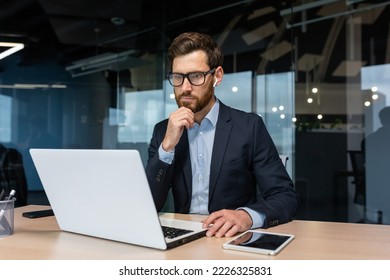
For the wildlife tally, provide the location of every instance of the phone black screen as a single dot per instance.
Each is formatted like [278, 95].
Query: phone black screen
[260, 240]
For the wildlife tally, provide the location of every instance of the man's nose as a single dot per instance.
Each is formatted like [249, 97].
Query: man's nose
[186, 85]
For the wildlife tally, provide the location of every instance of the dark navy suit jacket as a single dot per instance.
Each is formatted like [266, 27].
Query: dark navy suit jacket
[244, 157]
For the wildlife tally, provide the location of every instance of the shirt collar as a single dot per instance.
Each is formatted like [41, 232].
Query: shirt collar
[212, 116]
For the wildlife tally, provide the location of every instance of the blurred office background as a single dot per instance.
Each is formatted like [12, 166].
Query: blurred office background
[91, 74]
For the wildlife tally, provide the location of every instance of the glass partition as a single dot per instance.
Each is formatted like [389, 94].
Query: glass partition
[375, 85]
[236, 90]
[275, 103]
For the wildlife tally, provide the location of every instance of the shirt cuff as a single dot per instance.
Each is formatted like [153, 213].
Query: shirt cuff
[164, 156]
[257, 218]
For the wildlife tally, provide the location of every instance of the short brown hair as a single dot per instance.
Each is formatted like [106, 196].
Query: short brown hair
[188, 42]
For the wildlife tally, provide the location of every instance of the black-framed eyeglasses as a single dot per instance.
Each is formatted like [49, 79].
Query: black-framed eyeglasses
[195, 78]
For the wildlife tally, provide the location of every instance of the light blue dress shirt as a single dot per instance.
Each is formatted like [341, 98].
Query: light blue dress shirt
[201, 140]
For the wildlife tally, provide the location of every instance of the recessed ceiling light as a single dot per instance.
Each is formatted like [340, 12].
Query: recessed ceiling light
[118, 20]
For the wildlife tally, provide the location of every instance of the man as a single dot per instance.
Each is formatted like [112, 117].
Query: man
[212, 156]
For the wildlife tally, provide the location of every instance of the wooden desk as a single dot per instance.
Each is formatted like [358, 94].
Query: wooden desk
[41, 239]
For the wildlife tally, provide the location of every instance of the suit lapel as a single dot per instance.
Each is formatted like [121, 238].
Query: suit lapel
[222, 133]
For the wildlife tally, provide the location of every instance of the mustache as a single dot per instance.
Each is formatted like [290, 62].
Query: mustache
[185, 94]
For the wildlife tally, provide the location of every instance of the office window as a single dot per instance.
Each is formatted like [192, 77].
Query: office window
[142, 110]
[5, 118]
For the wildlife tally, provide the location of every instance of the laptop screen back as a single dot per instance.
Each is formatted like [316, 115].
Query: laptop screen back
[102, 193]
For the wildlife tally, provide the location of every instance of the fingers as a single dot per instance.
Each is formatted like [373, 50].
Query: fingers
[178, 120]
[182, 115]
[227, 223]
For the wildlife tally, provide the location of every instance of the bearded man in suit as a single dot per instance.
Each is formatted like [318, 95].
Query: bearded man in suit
[215, 158]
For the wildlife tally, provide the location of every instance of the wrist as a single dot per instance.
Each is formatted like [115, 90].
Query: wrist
[167, 148]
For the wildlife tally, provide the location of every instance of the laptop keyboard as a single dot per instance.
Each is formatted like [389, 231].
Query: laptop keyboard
[171, 232]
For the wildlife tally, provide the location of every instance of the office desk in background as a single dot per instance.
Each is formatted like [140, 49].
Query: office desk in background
[41, 239]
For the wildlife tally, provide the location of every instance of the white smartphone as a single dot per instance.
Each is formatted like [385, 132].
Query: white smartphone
[261, 242]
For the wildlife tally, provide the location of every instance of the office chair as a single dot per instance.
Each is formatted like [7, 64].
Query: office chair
[359, 174]
[12, 175]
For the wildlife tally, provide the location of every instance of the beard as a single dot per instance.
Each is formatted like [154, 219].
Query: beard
[198, 103]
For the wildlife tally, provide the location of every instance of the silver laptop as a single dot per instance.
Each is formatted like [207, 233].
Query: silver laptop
[105, 193]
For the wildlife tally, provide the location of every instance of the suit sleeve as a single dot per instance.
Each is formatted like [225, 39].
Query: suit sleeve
[279, 201]
[159, 173]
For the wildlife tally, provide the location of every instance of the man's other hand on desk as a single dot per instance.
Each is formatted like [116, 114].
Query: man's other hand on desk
[227, 223]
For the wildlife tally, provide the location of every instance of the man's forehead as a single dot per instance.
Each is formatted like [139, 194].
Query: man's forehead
[194, 61]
